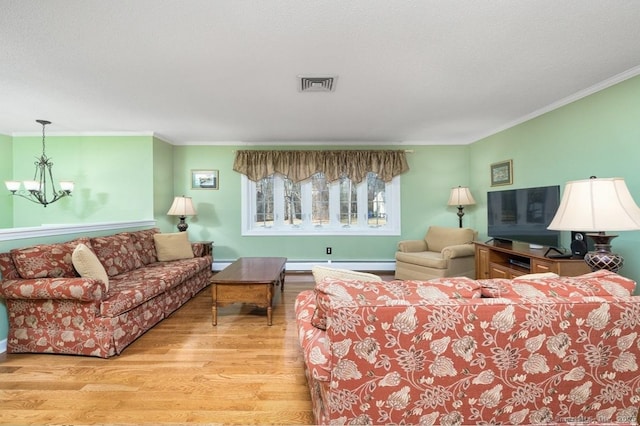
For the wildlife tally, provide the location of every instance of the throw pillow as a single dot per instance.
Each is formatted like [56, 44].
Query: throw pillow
[174, 246]
[88, 266]
[322, 272]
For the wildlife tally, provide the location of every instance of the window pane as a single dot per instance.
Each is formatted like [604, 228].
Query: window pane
[264, 202]
[376, 200]
[348, 202]
[319, 200]
[292, 203]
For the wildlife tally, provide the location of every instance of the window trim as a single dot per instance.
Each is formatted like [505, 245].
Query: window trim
[393, 227]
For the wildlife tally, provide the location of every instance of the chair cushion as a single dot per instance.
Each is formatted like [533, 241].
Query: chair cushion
[430, 259]
[439, 237]
[335, 293]
[600, 283]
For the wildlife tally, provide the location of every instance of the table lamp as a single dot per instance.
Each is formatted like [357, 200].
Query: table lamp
[597, 205]
[461, 196]
[182, 207]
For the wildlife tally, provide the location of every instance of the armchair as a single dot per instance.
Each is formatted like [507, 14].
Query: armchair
[444, 252]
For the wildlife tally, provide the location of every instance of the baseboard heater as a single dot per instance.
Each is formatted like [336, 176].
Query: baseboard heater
[306, 265]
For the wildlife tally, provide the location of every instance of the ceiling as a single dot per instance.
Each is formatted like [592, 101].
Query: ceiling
[225, 71]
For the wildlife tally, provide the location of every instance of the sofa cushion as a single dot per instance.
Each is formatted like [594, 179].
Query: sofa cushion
[439, 237]
[46, 260]
[145, 245]
[600, 283]
[333, 292]
[117, 253]
[88, 266]
[174, 246]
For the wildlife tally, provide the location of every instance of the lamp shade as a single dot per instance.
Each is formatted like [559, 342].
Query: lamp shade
[596, 205]
[182, 206]
[461, 196]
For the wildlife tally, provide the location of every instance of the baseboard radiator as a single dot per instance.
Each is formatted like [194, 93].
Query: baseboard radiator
[306, 265]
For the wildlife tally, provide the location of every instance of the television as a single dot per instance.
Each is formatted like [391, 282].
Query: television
[523, 215]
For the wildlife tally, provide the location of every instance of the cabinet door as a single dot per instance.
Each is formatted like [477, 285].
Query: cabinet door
[499, 272]
[482, 263]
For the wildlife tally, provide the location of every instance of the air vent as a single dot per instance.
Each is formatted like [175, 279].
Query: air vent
[316, 84]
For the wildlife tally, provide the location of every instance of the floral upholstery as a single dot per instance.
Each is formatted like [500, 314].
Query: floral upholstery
[117, 253]
[47, 260]
[74, 315]
[143, 242]
[472, 360]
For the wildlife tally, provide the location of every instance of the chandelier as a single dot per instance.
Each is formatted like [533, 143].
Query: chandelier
[37, 190]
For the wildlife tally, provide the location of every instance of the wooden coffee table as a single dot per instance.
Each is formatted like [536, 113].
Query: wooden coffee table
[248, 280]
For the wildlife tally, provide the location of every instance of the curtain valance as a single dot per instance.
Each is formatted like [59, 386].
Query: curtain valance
[301, 165]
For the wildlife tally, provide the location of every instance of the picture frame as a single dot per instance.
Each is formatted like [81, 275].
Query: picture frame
[205, 179]
[502, 173]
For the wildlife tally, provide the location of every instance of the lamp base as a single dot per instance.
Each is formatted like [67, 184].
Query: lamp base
[601, 257]
[460, 214]
[182, 225]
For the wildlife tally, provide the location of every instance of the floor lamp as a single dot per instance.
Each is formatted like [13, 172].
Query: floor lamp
[461, 196]
[595, 206]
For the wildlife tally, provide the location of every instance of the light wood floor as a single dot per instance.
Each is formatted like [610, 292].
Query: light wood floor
[183, 371]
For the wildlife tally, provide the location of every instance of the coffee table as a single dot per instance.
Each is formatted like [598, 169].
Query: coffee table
[248, 280]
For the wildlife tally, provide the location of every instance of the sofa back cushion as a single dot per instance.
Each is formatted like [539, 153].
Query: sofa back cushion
[145, 246]
[117, 253]
[46, 260]
[600, 283]
[341, 292]
[439, 237]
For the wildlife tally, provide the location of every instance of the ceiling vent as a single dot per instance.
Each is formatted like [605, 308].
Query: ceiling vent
[316, 83]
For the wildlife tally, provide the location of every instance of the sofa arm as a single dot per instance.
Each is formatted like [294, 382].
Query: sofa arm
[460, 250]
[409, 246]
[84, 289]
[201, 248]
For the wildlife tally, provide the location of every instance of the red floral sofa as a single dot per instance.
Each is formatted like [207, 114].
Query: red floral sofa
[458, 351]
[54, 310]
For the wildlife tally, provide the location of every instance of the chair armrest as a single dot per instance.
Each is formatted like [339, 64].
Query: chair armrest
[85, 289]
[460, 250]
[409, 246]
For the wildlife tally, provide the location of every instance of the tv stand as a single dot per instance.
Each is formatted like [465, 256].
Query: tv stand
[497, 259]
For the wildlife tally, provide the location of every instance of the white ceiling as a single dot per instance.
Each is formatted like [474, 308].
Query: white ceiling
[205, 71]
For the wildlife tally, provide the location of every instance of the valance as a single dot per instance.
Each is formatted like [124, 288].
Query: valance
[301, 165]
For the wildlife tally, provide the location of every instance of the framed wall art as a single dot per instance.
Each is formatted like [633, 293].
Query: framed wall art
[205, 179]
[502, 173]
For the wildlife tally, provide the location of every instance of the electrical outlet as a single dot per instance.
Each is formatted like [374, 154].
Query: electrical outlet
[328, 250]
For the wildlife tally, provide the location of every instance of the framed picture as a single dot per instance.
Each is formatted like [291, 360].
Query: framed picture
[204, 179]
[502, 173]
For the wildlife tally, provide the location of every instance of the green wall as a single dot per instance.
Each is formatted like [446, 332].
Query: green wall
[112, 178]
[598, 135]
[6, 172]
[434, 170]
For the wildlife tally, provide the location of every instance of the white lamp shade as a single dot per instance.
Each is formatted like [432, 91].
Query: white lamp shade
[182, 206]
[461, 196]
[12, 185]
[596, 205]
[66, 185]
[31, 185]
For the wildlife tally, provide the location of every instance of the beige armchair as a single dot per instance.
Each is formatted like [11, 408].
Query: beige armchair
[444, 252]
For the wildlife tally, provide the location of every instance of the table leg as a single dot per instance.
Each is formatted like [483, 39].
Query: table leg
[214, 304]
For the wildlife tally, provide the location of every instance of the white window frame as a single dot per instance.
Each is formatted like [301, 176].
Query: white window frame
[334, 227]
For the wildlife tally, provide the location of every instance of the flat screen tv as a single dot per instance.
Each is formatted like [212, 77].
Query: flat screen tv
[523, 215]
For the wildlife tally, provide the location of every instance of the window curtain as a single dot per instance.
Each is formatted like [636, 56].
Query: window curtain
[301, 165]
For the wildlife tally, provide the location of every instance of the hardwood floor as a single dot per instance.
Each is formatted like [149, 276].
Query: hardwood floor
[183, 371]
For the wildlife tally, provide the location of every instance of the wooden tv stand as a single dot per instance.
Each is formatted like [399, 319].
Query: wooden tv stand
[509, 260]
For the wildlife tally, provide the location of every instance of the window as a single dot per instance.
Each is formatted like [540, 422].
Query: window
[277, 206]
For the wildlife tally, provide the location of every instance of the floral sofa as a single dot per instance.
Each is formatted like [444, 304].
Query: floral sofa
[454, 351]
[143, 276]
